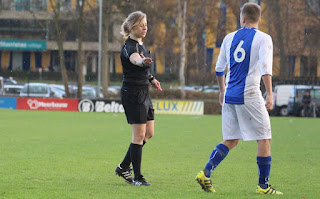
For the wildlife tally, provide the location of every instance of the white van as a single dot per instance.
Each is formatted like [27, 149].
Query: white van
[1, 85]
[281, 96]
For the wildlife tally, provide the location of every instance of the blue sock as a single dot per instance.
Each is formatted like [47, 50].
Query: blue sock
[264, 166]
[217, 155]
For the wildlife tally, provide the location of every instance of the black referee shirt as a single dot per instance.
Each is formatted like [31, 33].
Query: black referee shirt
[134, 76]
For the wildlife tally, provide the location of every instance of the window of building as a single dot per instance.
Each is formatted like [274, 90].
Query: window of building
[22, 5]
[91, 32]
[312, 8]
[80, 2]
[7, 4]
[38, 5]
[23, 29]
[309, 66]
[34, 5]
[110, 32]
[256, 1]
[291, 65]
[311, 35]
[65, 5]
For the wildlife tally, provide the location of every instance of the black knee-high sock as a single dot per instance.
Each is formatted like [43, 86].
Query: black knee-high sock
[136, 156]
[127, 159]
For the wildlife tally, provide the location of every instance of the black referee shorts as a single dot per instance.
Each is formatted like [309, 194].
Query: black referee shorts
[137, 105]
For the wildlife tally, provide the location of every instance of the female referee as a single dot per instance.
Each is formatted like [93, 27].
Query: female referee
[136, 61]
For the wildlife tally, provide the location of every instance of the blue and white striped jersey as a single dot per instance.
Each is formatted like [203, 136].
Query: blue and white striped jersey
[248, 54]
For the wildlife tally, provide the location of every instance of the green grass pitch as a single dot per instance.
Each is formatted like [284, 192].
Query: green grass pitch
[73, 155]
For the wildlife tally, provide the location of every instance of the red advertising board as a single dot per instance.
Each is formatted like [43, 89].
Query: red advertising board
[47, 104]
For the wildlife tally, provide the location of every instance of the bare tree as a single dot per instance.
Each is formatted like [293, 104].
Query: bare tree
[276, 17]
[80, 57]
[312, 38]
[105, 70]
[182, 37]
[200, 35]
[56, 5]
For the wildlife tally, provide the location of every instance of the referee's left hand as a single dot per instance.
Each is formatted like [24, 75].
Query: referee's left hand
[155, 83]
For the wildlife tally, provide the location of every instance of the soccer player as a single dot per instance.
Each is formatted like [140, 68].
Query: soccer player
[247, 53]
[136, 61]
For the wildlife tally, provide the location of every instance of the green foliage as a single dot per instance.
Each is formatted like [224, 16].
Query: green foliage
[73, 155]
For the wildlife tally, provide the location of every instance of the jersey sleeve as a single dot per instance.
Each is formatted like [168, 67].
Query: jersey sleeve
[222, 59]
[266, 56]
[129, 49]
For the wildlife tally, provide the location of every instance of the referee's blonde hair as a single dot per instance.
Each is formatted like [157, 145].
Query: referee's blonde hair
[251, 11]
[131, 21]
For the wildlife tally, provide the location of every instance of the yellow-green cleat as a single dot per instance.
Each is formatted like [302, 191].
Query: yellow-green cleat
[205, 182]
[268, 190]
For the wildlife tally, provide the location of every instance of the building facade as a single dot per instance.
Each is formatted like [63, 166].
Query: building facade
[27, 36]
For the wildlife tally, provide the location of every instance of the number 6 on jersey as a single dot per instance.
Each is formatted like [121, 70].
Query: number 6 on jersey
[239, 50]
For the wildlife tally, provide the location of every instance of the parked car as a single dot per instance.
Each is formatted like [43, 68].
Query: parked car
[89, 92]
[12, 90]
[39, 90]
[281, 95]
[58, 92]
[61, 89]
[6, 81]
[296, 107]
[186, 88]
[9, 81]
[1, 85]
[211, 89]
[114, 90]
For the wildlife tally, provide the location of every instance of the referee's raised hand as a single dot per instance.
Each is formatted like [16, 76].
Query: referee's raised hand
[146, 61]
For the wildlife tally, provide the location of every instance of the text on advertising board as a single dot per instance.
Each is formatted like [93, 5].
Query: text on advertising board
[178, 107]
[47, 104]
[108, 106]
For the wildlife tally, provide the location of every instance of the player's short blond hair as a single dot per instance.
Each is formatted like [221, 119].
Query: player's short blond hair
[131, 21]
[251, 11]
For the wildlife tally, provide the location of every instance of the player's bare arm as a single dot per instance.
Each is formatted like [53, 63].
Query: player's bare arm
[267, 80]
[221, 88]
